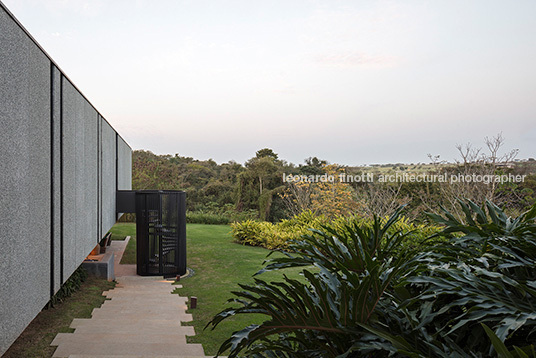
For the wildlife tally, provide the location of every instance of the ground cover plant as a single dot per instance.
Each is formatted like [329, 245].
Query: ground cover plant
[69, 287]
[36, 338]
[473, 295]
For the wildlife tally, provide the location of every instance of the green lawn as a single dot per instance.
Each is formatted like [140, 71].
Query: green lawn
[119, 232]
[219, 265]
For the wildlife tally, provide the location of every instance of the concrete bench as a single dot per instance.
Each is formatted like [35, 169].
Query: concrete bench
[101, 266]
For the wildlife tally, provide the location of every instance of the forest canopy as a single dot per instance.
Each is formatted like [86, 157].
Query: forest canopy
[261, 188]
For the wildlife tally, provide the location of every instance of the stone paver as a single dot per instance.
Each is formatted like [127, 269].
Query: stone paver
[141, 318]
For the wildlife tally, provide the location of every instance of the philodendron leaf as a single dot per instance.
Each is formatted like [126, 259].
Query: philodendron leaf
[500, 347]
[398, 342]
[237, 340]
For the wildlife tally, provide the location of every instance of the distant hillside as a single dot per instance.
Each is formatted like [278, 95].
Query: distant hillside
[257, 188]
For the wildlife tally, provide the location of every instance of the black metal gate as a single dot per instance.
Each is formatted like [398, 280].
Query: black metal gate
[161, 233]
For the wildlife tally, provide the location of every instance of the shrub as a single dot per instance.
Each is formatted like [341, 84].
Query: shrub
[279, 235]
[304, 221]
[481, 284]
[246, 232]
[275, 236]
[262, 233]
[200, 217]
[215, 215]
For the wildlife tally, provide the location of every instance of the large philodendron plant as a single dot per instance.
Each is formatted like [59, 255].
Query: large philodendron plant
[348, 273]
[476, 295]
[472, 294]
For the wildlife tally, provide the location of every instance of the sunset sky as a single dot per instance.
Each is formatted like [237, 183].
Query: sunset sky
[351, 82]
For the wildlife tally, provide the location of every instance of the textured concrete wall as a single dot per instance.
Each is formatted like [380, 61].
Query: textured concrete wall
[58, 174]
[80, 186]
[25, 180]
[56, 179]
[108, 181]
[124, 165]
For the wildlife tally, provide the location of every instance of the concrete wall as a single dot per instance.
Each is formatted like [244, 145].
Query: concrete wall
[56, 180]
[80, 185]
[124, 165]
[25, 179]
[60, 166]
[109, 176]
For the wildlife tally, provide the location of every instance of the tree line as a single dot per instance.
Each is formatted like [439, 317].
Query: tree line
[257, 187]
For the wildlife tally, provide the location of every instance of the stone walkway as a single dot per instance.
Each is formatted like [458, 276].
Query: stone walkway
[141, 319]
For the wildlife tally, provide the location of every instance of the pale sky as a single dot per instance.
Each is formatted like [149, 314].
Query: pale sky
[351, 82]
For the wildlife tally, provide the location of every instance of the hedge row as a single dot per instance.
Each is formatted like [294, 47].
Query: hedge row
[278, 236]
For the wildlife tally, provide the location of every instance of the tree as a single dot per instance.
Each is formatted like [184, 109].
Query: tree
[382, 198]
[473, 163]
[313, 166]
[205, 182]
[259, 182]
[263, 169]
[266, 153]
[331, 197]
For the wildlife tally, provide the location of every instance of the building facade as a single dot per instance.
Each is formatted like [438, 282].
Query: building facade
[60, 167]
